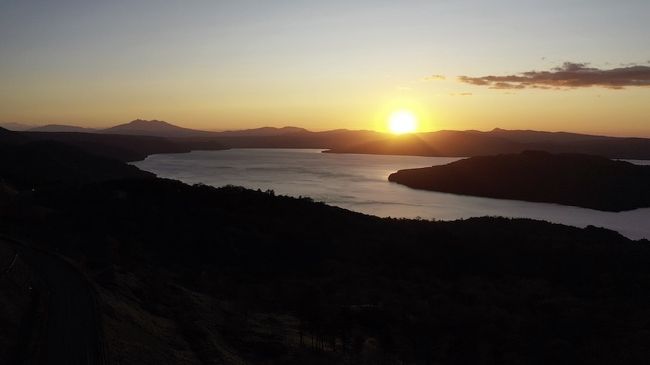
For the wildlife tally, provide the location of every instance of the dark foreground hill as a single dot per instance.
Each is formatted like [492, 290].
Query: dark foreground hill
[570, 179]
[121, 147]
[196, 275]
[47, 164]
[8, 137]
[118, 147]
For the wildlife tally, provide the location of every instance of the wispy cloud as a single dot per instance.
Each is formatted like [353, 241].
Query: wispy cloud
[569, 75]
[434, 78]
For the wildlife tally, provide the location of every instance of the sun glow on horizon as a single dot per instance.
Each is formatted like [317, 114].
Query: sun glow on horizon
[402, 121]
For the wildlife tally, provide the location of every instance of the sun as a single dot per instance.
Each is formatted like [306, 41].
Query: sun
[402, 121]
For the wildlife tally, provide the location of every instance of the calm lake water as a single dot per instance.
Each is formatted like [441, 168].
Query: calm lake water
[360, 183]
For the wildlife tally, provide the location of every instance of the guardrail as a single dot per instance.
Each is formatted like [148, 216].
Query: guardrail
[32, 332]
[11, 265]
[103, 353]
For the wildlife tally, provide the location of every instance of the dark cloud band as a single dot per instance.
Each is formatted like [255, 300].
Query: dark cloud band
[569, 75]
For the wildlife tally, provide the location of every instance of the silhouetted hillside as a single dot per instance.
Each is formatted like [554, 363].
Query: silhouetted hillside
[265, 137]
[164, 129]
[124, 148]
[195, 274]
[476, 143]
[47, 164]
[121, 147]
[339, 138]
[275, 279]
[562, 142]
[261, 132]
[441, 143]
[9, 137]
[531, 136]
[570, 179]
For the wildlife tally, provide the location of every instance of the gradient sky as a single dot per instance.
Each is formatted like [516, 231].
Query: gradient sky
[320, 65]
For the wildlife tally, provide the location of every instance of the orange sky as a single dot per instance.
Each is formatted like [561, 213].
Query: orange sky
[220, 66]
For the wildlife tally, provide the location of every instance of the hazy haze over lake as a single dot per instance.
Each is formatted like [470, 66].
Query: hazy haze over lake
[360, 183]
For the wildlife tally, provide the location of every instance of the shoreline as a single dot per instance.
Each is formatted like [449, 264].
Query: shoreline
[542, 211]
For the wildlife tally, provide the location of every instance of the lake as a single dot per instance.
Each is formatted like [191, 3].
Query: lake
[360, 183]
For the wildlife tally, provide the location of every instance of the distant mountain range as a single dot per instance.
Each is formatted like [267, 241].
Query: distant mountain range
[155, 128]
[442, 143]
[477, 143]
[62, 128]
[262, 132]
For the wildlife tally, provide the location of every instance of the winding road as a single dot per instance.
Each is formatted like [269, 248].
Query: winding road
[73, 332]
